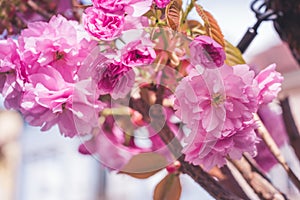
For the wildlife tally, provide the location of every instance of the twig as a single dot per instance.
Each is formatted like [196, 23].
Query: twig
[254, 166]
[187, 11]
[38, 9]
[242, 182]
[265, 135]
[259, 184]
[206, 181]
[290, 126]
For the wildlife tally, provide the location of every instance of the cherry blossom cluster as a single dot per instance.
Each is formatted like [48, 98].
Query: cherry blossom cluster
[78, 76]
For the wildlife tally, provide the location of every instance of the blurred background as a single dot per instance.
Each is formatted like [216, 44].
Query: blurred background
[44, 165]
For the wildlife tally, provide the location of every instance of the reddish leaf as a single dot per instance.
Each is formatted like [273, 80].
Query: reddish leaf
[174, 14]
[168, 189]
[144, 165]
[212, 28]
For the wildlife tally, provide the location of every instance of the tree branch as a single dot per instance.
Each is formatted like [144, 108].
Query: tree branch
[290, 126]
[263, 188]
[265, 135]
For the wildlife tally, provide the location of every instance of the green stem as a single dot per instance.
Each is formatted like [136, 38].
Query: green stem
[187, 11]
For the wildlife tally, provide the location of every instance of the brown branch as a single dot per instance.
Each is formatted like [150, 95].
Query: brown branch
[77, 9]
[263, 188]
[38, 9]
[290, 126]
[206, 181]
[232, 183]
[254, 166]
[265, 135]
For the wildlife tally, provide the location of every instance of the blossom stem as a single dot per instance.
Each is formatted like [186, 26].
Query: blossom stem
[254, 166]
[115, 111]
[206, 181]
[38, 9]
[290, 126]
[7, 72]
[187, 11]
[263, 188]
[265, 135]
[226, 176]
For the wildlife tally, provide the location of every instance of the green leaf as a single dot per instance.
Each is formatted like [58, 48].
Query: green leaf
[233, 55]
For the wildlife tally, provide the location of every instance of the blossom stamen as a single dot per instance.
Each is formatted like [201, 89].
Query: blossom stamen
[217, 99]
[59, 55]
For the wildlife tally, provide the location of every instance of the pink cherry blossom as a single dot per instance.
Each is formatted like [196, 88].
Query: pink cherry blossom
[115, 78]
[103, 25]
[7, 68]
[9, 74]
[137, 8]
[162, 3]
[108, 75]
[48, 100]
[269, 82]
[49, 57]
[224, 97]
[206, 52]
[61, 43]
[110, 5]
[46, 97]
[218, 106]
[213, 151]
[138, 53]
[134, 8]
[135, 22]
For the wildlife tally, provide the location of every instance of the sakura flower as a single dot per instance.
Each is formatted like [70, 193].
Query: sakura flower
[218, 106]
[107, 76]
[61, 43]
[206, 52]
[45, 99]
[48, 100]
[269, 82]
[132, 23]
[134, 8]
[137, 8]
[7, 68]
[114, 78]
[9, 83]
[103, 25]
[50, 55]
[210, 153]
[110, 5]
[162, 3]
[138, 53]
[220, 100]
